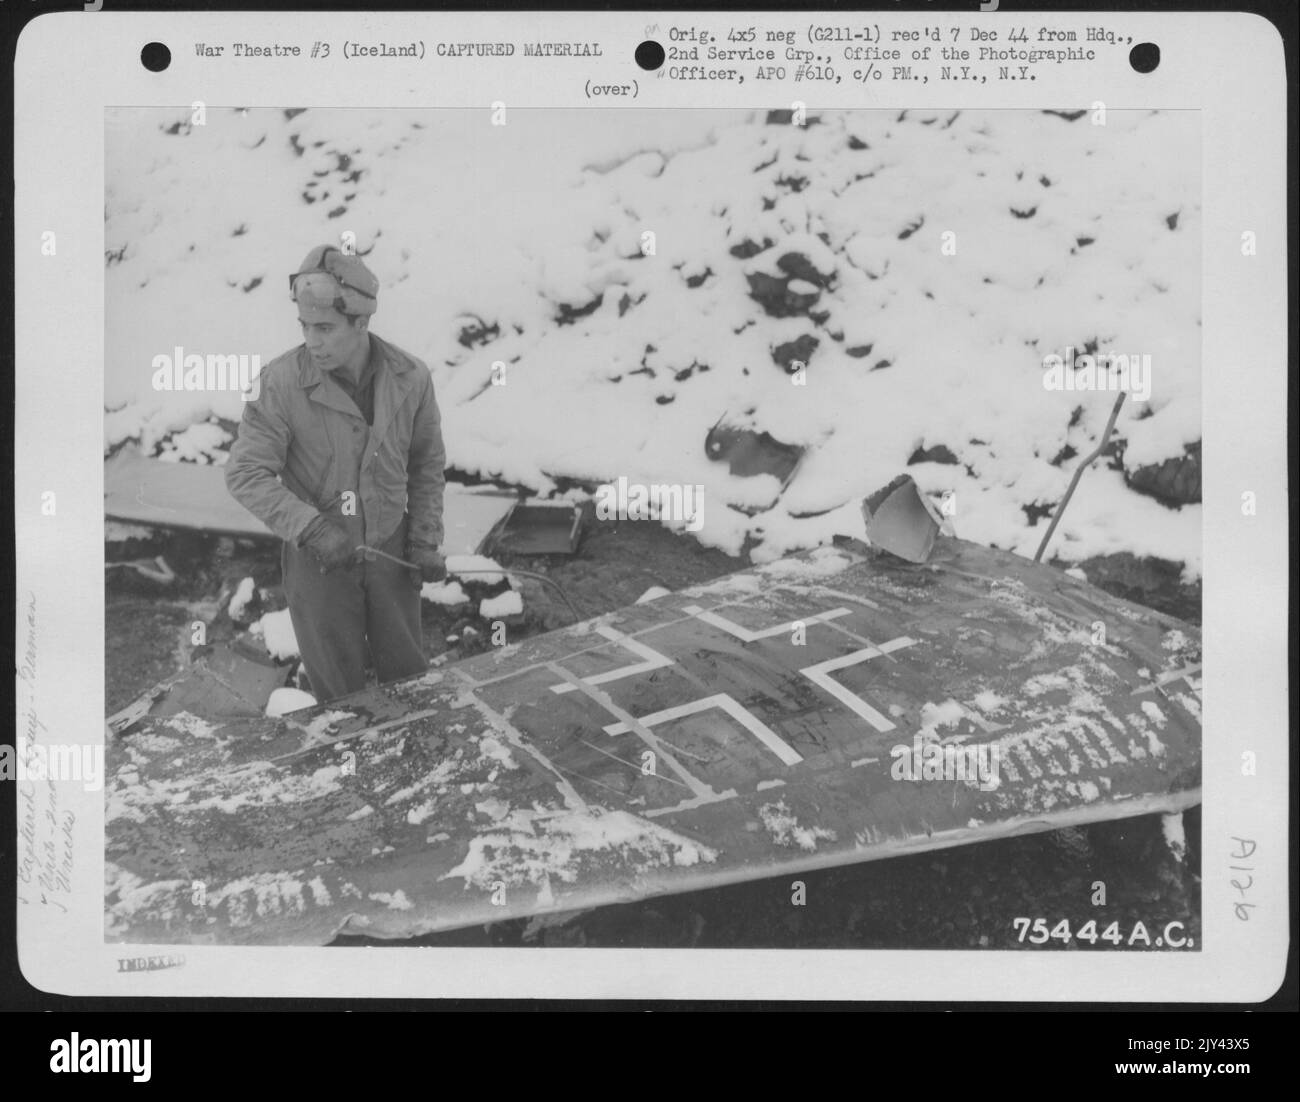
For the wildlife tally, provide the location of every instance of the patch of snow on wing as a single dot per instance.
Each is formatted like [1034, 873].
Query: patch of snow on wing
[1191, 703]
[1045, 683]
[322, 724]
[155, 744]
[1138, 721]
[785, 830]
[488, 747]
[279, 789]
[131, 898]
[262, 896]
[824, 562]
[257, 784]
[439, 775]
[495, 809]
[191, 724]
[731, 585]
[941, 715]
[1152, 709]
[396, 901]
[527, 847]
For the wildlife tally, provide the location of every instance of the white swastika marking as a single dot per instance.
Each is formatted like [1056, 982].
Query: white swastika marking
[748, 635]
[820, 675]
[733, 708]
[651, 660]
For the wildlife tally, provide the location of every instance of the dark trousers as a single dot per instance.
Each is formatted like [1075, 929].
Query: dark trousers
[367, 612]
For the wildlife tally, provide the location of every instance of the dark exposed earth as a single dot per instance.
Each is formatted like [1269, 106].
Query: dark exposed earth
[961, 898]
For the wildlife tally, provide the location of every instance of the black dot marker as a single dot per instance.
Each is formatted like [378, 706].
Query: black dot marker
[1144, 57]
[155, 57]
[649, 55]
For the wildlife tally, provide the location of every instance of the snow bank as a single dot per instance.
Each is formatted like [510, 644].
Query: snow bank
[203, 442]
[922, 263]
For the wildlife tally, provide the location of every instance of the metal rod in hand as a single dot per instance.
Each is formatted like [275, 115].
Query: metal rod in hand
[1078, 472]
[370, 552]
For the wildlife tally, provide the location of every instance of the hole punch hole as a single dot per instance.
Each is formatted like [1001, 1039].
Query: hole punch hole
[155, 57]
[1144, 57]
[649, 55]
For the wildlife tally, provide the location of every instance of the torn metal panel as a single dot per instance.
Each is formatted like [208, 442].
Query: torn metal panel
[220, 683]
[822, 710]
[901, 520]
[148, 491]
[469, 514]
[141, 490]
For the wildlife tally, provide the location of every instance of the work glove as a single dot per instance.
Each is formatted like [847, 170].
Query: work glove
[328, 540]
[432, 566]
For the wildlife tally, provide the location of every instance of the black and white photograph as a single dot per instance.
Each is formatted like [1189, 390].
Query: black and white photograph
[578, 506]
[630, 528]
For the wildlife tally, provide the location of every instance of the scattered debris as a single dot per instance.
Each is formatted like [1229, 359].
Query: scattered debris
[239, 602]
[155, 569]
[509, 603]
[538, 528]
[901, 520]
[444, 593]
[220, 682]
[275, 629]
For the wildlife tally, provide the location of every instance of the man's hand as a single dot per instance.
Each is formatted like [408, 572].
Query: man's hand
[328, 540]
[433, 567]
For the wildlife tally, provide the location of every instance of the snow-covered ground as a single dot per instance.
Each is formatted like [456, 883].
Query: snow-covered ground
[923, 264]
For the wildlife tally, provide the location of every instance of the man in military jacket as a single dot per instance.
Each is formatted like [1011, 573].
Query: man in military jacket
[341, 452]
